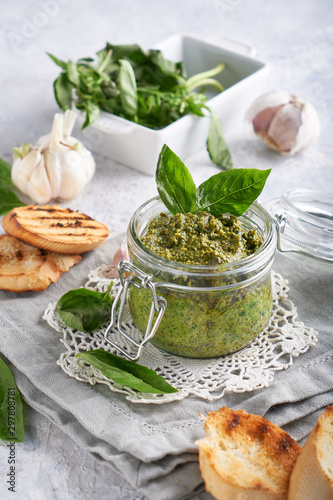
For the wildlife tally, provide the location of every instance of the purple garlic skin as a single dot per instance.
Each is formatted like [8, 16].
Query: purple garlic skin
[284, 121]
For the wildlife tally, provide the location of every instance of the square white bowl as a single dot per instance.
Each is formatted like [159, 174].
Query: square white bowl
[139, 147]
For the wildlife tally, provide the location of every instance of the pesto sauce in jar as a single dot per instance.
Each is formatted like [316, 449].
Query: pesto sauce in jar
[206, 324]
[212, 320]
[200, 238]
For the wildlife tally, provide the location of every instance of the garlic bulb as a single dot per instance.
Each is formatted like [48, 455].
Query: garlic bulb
[58, 166]
[284, 121]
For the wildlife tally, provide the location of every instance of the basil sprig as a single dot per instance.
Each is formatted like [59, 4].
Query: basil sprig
[8, 198]
[231, 191]
[85, 310]
[11, 410]
[217, 146]
[143, 87]
[127, 373]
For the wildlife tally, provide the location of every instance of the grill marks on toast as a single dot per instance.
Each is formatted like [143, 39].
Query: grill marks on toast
[54, 228]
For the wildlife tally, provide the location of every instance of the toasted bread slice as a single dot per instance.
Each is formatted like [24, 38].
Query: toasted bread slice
[245, 456]
[26, 268]
[312, 476]
[53, 228]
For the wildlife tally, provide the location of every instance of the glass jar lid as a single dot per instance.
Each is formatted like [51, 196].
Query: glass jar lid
[305, 226]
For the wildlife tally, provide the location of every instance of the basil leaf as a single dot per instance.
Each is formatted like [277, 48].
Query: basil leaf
[127, 373]
[166, 66]
[195, 105]
[231, 191]
[132, 52]
[8, 198]
[8, 201]
[85, 310]
[63, 89]
[92, 112]
[174, 183]
[216, 145]
[11, 409]
[60, 63]
[5, 174]
[73, 74]
[127, 87]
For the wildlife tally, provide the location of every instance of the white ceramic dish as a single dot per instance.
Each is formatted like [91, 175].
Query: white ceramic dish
[139, 147]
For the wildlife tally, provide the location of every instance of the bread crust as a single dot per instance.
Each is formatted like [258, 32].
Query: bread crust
[26, 268]
[312, 476]
[54, 228]
[244, 456]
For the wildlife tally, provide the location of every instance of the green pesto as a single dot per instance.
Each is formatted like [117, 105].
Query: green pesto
[210, 322]
[200, 238]
[206, 324]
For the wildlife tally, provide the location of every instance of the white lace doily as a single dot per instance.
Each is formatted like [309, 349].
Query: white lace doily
[249, 369]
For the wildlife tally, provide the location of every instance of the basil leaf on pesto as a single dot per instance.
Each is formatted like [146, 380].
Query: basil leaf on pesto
[85, 310]
[174, 183]
[127, 373]
[232, 191]
[217, 146]
[11, 410]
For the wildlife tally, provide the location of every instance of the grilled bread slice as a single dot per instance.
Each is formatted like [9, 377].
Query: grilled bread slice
[244, 456]
[26, 268]
[54, 228]
[312, 476]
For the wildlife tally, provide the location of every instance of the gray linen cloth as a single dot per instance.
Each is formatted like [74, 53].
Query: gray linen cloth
[153, 445]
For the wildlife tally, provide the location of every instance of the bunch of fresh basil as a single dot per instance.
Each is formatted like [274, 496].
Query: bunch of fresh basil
[8, 197]
[140, 86]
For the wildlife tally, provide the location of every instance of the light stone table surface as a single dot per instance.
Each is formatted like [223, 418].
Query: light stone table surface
[295, 37]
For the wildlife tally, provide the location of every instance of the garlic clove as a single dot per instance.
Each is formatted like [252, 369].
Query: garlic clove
[269, 100]
[38, 187]
[261, 122]
[54, 169]
[284, 121]
[23, 167]
[121, 254]
[78, 172]
[28, 175]
[283, 130]
[309, 130]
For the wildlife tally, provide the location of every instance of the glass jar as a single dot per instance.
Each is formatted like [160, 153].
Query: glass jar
[305, 219]
[211, 310]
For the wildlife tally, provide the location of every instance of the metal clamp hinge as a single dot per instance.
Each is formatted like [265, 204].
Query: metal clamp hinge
[280, 221]
[130, 276]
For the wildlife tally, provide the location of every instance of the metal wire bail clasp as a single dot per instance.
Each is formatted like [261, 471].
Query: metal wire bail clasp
[129, 276]
[280, 222]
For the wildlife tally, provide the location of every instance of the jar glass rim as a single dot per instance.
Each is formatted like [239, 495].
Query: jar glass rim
[264, 252]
